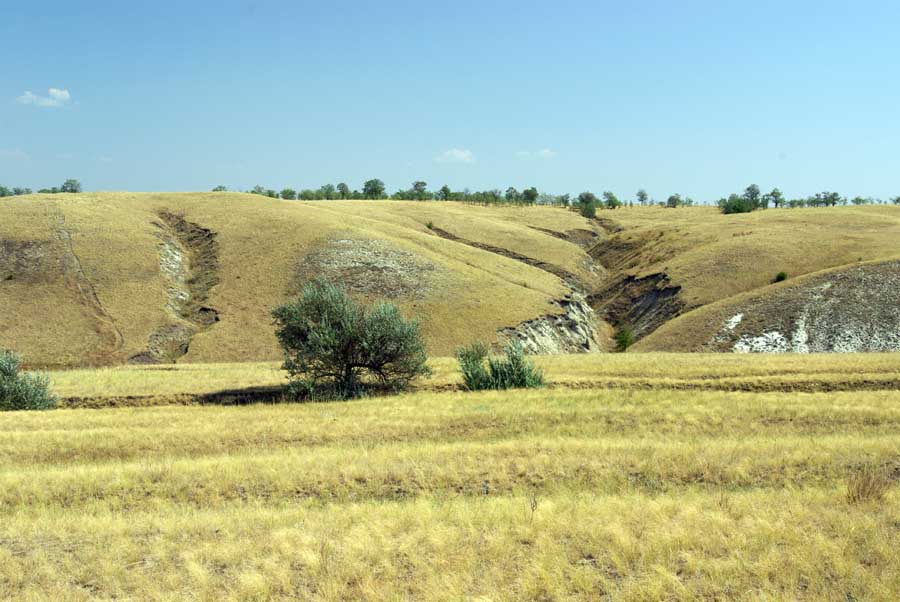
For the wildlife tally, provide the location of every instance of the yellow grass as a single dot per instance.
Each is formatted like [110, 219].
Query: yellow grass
[184, 383]
[470, 294]
[555, 494]
[715, 256]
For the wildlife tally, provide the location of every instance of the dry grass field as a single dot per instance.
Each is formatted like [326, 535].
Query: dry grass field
[637, 492]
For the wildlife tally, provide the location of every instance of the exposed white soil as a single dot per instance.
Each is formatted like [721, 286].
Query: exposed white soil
[856, 309]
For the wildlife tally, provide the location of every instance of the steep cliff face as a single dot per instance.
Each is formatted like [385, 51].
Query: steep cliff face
[855, 309]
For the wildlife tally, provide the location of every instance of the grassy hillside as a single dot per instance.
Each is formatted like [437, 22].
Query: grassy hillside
[108, 278]
[627, 494]
[665, 262]
[96, 278]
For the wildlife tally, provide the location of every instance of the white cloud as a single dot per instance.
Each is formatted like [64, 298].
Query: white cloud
[544, 153]
[13, 155]
[456, 155]
[55, 98]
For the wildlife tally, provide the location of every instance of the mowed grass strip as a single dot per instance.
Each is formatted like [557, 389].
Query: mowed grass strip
[189, 383]
[555, 494]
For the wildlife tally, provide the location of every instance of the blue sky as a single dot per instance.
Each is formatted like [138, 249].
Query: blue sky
[700, 98]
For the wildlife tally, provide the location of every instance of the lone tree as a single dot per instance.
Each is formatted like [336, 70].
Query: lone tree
[642, 196]
[373, 189]
[336, 348]
[70, 186]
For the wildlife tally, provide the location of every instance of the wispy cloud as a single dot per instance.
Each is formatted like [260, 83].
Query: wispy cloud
[13, 155]
[455, 155]
[544, 153]
[56, 97]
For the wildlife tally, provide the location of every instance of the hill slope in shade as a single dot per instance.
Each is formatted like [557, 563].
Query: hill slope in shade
[109, 278]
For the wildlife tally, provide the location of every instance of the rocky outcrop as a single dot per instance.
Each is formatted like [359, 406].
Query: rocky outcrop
[641, 304]
[574, 330]
[855, 309]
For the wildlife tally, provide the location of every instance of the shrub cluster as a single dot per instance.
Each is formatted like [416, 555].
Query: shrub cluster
[337, 349]
[22, 391]
[481, 371]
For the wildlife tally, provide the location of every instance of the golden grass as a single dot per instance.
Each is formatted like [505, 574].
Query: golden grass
[261, 242]
[715, 256]
[553, 494]
[185, 383]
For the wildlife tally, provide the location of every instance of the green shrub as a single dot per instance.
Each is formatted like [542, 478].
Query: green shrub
[430, 225]
[624, 339]
[588, 210]
[22, 391]
[781, 276]
[481, 371]
[335, 348]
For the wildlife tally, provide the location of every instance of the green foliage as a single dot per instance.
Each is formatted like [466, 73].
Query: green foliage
[611, 200]
[289, 194]
[373, 189]
[642, 196]
[336, 348]
[220, 188]
[624, 338]
[481, 371]
[587, 204]
[22, 391]
[781, 276]
[430, 225]
[70, 186]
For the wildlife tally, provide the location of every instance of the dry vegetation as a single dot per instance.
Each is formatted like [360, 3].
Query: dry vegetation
[85, 284]
[622, 494]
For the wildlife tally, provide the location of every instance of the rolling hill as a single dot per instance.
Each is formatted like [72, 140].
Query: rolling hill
[115, 278]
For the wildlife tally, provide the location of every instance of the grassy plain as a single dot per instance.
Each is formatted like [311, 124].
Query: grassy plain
[640, 492]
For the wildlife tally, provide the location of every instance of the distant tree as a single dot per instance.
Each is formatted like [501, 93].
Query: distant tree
[736, 204]
[444, 193]
[674, 201]
[896, 200]
[530, 195]
[751, 193]
[334, 347]
[258, 190]
[511, 195]
[858, 200]
[587, 204]
[642, 196]
[219, 188]
[328, 192]
[4, 191]
[775, 198]
[70, 186]
[21, 191]
[420, 190]
[373, 189]
[565, 200]
[308, 195]
[289, 194]
[611, 200]
[343, 190]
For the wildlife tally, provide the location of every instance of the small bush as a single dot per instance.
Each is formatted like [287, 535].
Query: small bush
[868, 482]
[337, 349]
[624, 339]
[22, 391]
[430, 225]
[588, 210]
[781, 277]
[480, 371]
